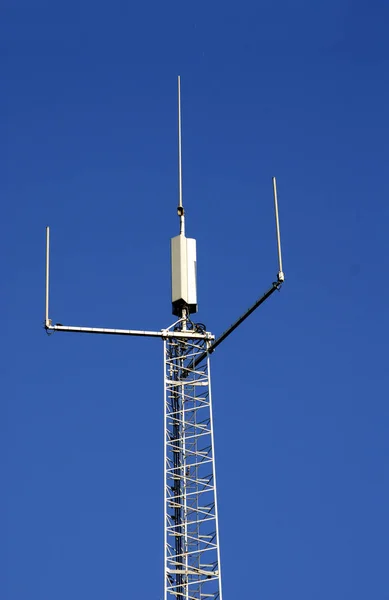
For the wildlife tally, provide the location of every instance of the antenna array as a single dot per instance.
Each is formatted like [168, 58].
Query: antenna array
[192, 564]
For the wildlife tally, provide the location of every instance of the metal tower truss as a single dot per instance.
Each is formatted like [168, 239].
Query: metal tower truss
[192, 556]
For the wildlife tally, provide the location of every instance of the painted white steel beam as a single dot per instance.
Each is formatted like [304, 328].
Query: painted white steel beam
[164, 333]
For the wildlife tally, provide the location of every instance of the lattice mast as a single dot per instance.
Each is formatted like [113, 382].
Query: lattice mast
[192, 569]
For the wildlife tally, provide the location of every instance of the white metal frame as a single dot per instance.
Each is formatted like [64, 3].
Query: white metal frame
[192, 552]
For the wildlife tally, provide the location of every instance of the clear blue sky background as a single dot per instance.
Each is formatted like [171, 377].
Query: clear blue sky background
[299, 90]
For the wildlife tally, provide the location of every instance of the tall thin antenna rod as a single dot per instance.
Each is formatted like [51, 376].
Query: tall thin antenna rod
[47, 322]
[180, 206]
[179, 146]
[281, 275]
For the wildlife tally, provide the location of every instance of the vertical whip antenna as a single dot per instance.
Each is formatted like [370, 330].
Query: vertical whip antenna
[47, 320]
[281, 275]
[180, 208]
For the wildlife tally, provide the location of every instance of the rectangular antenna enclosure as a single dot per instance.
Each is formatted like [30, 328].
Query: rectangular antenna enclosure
[184, 285]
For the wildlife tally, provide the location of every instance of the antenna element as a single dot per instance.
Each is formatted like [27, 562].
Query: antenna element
[47, 320]
[180, 208]
[280, 275]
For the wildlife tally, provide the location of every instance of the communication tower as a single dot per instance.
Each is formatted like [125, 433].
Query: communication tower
[192, 567]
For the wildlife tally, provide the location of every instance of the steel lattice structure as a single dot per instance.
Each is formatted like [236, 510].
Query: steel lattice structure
[192, 554]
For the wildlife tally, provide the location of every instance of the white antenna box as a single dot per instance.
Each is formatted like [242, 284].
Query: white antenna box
[184, 286]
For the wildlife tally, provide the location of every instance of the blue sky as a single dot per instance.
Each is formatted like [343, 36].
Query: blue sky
[88, 113]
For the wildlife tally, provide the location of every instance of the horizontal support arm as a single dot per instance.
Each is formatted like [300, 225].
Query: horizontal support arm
[165, 333]
[275, 286]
